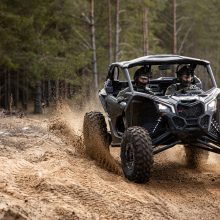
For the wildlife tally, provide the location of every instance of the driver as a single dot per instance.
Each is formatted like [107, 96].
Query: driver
[185, 77]
[141, 79]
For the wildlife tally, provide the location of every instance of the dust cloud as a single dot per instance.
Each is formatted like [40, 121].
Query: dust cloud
[45, 174]
[67, 124]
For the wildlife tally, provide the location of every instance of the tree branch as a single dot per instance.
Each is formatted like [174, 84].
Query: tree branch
[184, 38]
[87, 20]
[87, 44]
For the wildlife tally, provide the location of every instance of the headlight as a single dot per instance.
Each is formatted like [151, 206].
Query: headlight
[212, 105]
[164, 108]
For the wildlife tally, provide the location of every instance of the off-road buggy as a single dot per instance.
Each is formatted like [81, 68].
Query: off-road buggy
[144, 125]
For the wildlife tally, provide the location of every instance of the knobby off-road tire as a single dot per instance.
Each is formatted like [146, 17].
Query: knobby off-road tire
[95, 133]
[195, 157]
[136, 154]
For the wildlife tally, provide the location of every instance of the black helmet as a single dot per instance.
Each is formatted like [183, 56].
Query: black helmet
[185, 70]
[141, 77]
[143, 71]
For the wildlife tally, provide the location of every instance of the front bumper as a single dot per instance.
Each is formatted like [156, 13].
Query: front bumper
[180, 124]
[190, 129]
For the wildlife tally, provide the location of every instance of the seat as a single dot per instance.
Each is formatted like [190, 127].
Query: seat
[114, 86]
[118, 86]
[159, 85]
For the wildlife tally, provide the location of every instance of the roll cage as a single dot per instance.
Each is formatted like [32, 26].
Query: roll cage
[160, 84]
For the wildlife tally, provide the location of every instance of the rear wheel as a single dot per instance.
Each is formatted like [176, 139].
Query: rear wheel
[137, 154]
[195, 156]
[95, 132]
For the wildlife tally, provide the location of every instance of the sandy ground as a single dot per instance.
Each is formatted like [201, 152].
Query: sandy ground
[45, 174]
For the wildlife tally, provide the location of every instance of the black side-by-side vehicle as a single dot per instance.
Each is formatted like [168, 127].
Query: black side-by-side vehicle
[144, 125]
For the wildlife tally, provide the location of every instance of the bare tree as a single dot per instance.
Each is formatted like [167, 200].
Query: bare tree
[94, 60]
[110, 31]
[145, 31]
[117, 31]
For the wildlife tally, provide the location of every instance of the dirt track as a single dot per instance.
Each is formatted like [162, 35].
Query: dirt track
[44, 174]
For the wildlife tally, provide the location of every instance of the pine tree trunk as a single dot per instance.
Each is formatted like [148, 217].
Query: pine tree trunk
[94, 60]
[48, 93]
[25, 94]
[5, 90]
[174, 28]
[71, 91]
[145, 31]
[69, 96]
[57, 94]
[24, 98]
[62, 86]
[10, 99]
[65, 89]
[110, 31]
[1, 95]
[16, 96]
[60, 89]
[43, 91]
[117, 32]
[37, 101]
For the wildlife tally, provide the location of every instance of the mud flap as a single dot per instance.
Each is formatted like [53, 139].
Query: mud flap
[113, 106]
[102, 100]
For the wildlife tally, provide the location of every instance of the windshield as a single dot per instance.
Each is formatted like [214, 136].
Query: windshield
[167, 72]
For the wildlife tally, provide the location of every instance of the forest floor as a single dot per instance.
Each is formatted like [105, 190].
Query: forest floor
[45, 174]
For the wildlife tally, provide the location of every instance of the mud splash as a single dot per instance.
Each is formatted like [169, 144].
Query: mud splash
[64, 125]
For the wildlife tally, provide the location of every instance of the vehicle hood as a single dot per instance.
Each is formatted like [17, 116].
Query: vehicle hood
[205, 97]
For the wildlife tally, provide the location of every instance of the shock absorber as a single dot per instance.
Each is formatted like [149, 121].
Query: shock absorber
[157, 125]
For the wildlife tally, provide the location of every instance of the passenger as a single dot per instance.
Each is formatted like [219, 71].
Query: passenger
[185, 77]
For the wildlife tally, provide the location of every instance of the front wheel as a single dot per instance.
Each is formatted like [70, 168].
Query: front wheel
[136, 154]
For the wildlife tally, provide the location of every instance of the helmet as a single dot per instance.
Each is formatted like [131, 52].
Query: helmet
[185, 75]
[185, 70]
[142, 73]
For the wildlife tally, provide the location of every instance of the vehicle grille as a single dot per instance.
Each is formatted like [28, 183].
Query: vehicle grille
[179, 122]
[205, 121]
[192, 111]
[215, 128]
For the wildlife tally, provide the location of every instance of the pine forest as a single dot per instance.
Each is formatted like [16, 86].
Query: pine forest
[60, 49]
